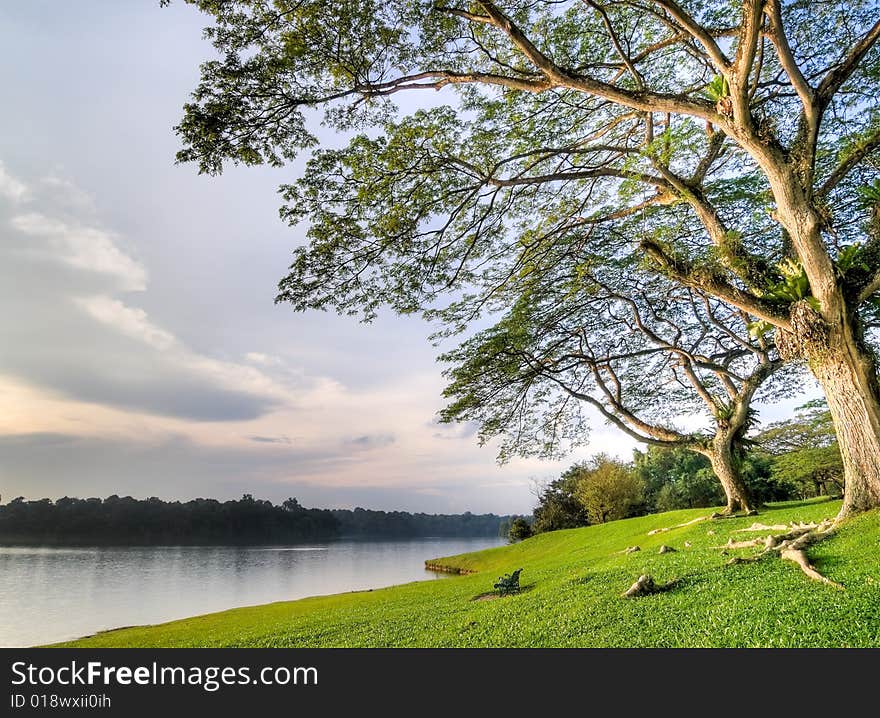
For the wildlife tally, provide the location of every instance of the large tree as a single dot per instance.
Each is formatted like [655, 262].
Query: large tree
[640, 351]
[733, 142]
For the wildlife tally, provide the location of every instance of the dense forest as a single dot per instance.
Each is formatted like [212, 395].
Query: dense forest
[129, 521]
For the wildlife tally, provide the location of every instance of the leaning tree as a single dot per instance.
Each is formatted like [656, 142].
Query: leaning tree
[640, 351]
[755, 124]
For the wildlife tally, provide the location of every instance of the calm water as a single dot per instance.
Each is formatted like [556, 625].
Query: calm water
[53, 594]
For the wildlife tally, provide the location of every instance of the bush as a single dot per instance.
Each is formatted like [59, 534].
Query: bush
[520, 529]
[609, 489]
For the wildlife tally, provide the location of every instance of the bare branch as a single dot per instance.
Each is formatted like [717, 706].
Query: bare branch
[657, 436]
[871, 287]
[615, 40]
[749, 35]
[835, 78]
[573, 175]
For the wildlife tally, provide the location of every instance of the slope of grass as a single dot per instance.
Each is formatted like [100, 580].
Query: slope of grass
[573, 582]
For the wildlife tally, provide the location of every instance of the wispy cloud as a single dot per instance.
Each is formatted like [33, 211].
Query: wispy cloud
[130, 321]
[263, 359]
[68, 194]
[94, 346]
[135, 323]
[11, 187]
[371, 441]
[86, 248]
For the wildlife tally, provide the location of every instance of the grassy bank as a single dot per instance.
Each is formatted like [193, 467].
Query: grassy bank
[573, 581]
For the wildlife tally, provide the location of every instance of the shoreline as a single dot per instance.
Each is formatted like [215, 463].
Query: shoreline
[432, 565]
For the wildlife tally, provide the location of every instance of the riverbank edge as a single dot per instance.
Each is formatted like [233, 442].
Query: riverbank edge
[435, 565]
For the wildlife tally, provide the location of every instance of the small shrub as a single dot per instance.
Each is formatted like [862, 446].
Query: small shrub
[520, 529]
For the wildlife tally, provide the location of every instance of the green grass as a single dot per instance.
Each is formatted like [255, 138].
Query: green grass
[573, 581]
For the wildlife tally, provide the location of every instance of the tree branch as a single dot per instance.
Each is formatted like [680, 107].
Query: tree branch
[441, 78]
[716, 144]
[656, 436]
[749, 34]
[574, 175]
[835, 78]
[560, 77]
[734, 258]
[682, 271]
[615, 40]
[699, 33]
[786, 57]
[469, 16]
[862, 150]
[872, 286]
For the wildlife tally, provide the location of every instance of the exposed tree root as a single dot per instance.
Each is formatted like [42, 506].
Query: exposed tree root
[789, 546]
[646, 586]
[712, 517]
[736, 560]
[741, 544]
[800, 558]
[679, 526]
[643, 586]
[762, 527]
[728, 514]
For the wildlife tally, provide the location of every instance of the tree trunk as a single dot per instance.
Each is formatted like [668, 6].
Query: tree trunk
[726, 466]
[847, 373]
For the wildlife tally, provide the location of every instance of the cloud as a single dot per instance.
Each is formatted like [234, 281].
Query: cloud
[130, 321]
[111, 352]
[263, 359]
[371, 441]
[86, 248]
[465, 430]
[12, 188]
[270, 439]
[68, 194]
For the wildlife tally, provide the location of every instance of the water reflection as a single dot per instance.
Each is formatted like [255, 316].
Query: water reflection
[53, 594]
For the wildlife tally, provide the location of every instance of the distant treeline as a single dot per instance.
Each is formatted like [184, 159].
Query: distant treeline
[364, 522]
[129, 521]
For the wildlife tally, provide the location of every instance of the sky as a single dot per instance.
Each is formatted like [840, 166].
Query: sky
[142, 353]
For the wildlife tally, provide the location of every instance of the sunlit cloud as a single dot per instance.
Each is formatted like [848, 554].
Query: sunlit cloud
[83, 247]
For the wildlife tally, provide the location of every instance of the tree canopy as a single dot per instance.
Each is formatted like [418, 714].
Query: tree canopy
[728, 146]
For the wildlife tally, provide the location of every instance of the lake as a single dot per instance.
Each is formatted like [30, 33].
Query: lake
[55, 594]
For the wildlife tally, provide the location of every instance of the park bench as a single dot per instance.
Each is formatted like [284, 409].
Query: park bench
[508, 583]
